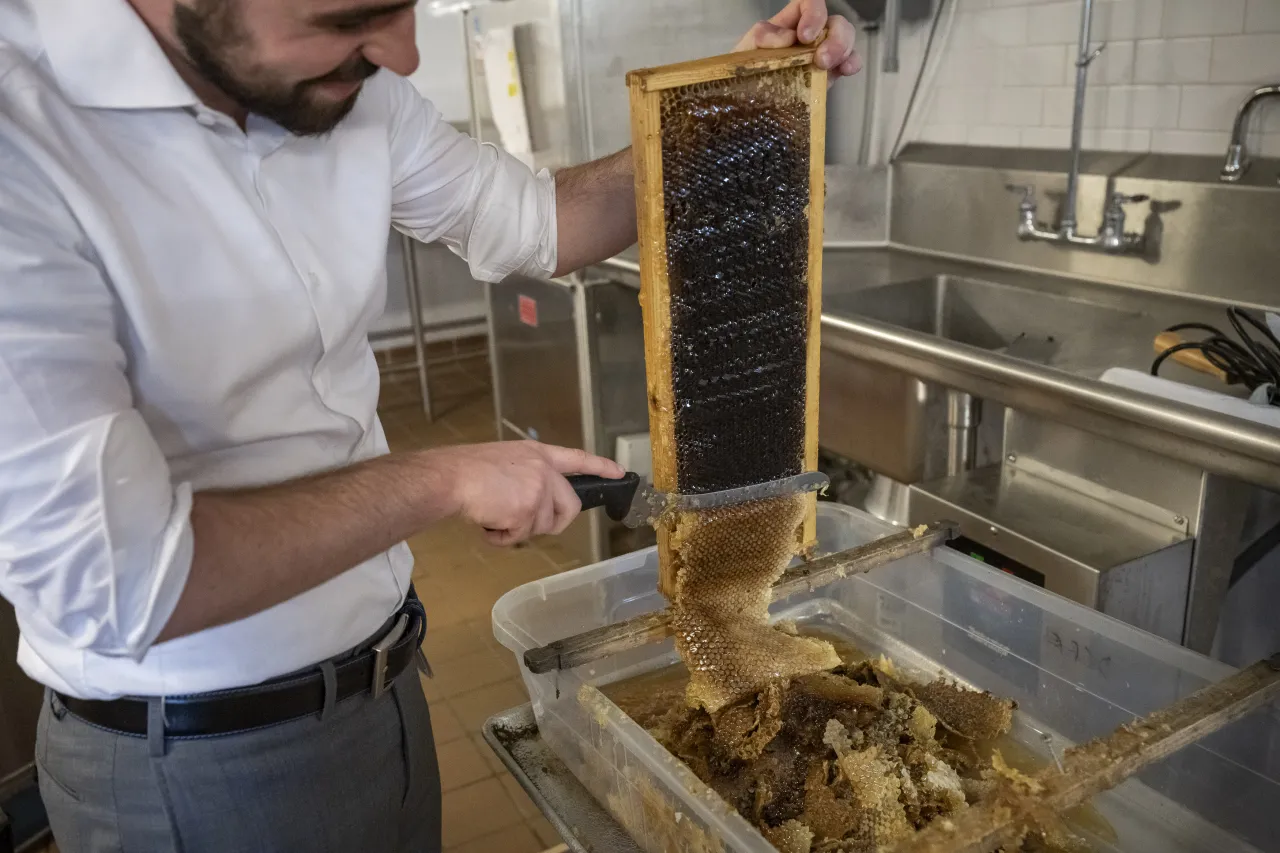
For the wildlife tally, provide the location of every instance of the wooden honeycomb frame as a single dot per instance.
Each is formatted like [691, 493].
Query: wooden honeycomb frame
[645, 88]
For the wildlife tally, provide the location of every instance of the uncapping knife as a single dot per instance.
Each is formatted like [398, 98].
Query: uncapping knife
[636, 503]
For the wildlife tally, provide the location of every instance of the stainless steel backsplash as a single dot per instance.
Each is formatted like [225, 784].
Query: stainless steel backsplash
[857, 211]
[1214, 239]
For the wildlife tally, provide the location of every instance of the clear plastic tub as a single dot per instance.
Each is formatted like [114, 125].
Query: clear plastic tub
[1075, 674]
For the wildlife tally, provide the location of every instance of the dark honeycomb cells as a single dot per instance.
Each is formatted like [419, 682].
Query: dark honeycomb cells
[735, 164]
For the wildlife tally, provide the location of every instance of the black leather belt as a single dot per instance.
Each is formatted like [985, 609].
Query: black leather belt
[277, 701]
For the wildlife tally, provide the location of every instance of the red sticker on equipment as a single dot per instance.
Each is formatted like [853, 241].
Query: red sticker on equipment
[528, 311]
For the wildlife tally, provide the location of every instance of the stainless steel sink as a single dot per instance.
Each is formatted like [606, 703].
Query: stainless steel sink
[900, 328]
[898, 425]
[1035, 325]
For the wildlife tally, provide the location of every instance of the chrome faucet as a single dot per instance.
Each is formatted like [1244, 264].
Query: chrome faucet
[1111, 237]
[1237, 157]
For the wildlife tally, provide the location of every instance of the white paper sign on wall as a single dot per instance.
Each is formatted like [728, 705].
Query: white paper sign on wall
[506, 91]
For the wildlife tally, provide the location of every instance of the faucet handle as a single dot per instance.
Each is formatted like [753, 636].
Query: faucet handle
[1119, 198]
[1028, 192]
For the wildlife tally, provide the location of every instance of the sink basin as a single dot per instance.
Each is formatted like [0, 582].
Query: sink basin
[898, 425]
[1046, 327]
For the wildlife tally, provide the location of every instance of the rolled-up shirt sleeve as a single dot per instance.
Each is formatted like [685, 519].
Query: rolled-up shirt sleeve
[481, 202]
[95, 539]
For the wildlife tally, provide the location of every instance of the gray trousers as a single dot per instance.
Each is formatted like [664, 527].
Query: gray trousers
[362, 779]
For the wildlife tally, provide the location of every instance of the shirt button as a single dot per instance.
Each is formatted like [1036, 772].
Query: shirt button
[206, 120]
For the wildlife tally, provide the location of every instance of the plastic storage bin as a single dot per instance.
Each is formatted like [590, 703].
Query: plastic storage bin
[1075, 674]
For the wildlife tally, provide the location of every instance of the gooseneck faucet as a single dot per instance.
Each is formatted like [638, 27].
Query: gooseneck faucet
[1111, 237]
[1237, 157]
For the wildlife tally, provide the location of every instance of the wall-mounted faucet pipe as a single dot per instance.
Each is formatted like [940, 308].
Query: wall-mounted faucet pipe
[1084, 59]
[892, 22]
[1111, 236]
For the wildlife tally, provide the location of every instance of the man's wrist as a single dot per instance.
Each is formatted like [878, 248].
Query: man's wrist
[439, 480]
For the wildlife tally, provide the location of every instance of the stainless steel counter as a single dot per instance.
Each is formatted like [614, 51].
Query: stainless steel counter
[1063, 387]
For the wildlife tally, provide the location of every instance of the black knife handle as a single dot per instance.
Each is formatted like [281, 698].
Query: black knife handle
[614, 495]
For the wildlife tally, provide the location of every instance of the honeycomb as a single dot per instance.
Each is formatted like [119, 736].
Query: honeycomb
[966, 710]
[735, 182]
[847, 760]
[727, 562]
[791, 837]
[735, 187]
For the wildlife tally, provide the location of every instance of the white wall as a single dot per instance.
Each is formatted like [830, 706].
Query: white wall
[621, 35]
[1170, 80]
[442, 73]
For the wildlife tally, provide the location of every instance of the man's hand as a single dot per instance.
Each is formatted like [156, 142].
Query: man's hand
[801, 23]
[255, 548]
[516, 489]
[595, 202]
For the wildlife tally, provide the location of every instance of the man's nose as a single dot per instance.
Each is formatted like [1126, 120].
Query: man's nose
[395, 46]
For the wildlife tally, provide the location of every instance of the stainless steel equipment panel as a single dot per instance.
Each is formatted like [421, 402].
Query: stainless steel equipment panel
[1085, 549]
[534, 346]
[616, 395]
[568, 359]
[615, 333]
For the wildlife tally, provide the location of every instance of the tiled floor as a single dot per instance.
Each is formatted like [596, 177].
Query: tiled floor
[459, 577]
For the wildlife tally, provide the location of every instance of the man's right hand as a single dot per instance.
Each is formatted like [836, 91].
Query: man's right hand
[515, 489]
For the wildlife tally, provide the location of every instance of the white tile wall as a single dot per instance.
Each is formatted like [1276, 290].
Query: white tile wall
[1245, 59]
[1179, 60]
[1116, 65]
[1263, 16]
[1198, 18]
[1136, 19]
[1049, 22]
[1170, 79]
[1015, 105]
[1033, 66]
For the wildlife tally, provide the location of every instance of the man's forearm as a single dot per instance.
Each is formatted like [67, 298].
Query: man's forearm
[259, 547]
[595, 211]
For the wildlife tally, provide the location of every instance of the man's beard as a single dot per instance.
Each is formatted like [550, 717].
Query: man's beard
[212, 35]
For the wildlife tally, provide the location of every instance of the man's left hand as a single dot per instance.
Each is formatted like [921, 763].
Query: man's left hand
[801, 22]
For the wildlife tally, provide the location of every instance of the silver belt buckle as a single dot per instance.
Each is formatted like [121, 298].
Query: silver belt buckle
[380, 651]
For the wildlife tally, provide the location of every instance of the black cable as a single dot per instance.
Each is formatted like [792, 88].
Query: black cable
[1249, 557]
[1270, 358]
[1250, 361]
[915, 89]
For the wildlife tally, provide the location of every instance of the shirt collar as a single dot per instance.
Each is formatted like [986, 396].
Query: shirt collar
[103, 56]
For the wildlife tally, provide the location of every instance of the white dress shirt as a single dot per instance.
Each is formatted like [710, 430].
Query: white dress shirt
[185, 306]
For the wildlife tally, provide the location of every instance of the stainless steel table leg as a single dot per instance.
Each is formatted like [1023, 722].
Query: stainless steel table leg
[963, 416]
[495, 375]
[1222, 511]
[407, 244]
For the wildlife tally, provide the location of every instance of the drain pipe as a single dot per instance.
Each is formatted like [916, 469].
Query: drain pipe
[964, 414]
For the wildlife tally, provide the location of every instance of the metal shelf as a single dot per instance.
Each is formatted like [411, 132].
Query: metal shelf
[581, 821]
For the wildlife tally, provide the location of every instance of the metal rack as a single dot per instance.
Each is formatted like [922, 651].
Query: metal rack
[419, 329]
[582, 822]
